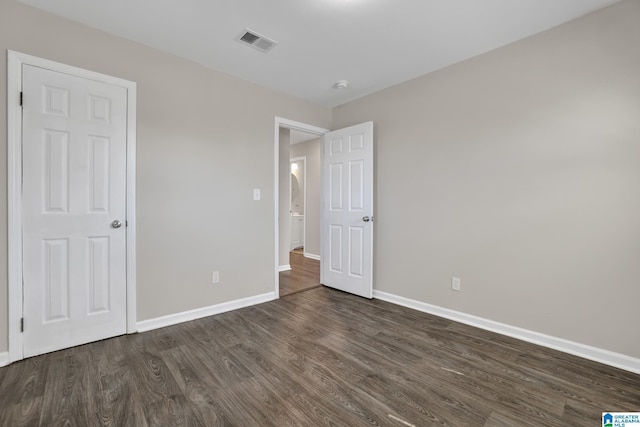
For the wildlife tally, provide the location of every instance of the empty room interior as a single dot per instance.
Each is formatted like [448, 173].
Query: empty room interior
[320, 212]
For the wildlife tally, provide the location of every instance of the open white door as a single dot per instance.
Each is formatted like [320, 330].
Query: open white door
[347, 210]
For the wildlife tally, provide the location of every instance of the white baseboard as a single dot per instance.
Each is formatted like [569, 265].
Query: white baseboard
[174, 319]
[284, 267]
[606, 357]
[4, 358]
[312, 256]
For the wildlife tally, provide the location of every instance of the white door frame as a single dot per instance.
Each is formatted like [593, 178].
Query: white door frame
[302, 159]
[302, 127]
[15, 60]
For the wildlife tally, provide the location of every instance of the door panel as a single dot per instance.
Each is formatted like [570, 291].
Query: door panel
[335, 247]
[56, 279]
[74, 186]
[347, 251]
[99, 286]
[356, 243]
[99, 173]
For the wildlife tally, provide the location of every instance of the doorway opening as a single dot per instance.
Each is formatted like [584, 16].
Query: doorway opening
[297, 206]
[298, 199]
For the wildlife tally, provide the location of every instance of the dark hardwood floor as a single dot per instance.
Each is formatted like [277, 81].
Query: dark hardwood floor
[314, 358]
[304, 274]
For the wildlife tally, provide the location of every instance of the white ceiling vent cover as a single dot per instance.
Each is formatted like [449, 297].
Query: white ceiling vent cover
[256, 41]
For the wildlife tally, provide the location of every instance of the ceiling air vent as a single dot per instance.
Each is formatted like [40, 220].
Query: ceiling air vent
[256, 41]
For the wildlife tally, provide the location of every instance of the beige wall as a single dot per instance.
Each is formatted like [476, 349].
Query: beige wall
[297, 191]
[205, 140]
[311, 150]
[284, 184]
[518, 172]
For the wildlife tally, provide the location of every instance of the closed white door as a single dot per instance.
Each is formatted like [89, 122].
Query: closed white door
[74, 204]
[347, 212]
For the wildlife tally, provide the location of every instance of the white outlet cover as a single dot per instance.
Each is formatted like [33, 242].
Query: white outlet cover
[256, 194]
[215, 277]
[455, 283]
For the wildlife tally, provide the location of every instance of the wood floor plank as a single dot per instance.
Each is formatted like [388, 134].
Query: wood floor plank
[22, 403]
[304, 274]
[584, 373]
[172, 410]
[25, 413]
[64, 401]
[421, 405]
[116, 402]
[501, 419]
[155, 382]
[213, 329]
[205, 394]
[478, 367]
[222, 362]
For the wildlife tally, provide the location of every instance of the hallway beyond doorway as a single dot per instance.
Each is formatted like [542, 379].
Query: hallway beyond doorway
[304, 274]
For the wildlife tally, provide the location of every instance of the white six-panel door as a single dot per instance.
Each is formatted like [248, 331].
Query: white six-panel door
[74, 188]
[347, 212]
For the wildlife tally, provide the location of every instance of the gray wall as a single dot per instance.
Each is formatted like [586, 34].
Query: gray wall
[311, 150]
[518, 172]
[205, 140]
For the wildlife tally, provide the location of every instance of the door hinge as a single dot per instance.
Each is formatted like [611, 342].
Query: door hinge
[21, 98]
[22, 324]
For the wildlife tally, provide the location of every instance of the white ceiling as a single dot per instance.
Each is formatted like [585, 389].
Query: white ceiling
[372, 43]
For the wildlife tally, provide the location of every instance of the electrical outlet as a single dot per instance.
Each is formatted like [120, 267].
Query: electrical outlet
[256, 194]
[455, 283]
[215, 277]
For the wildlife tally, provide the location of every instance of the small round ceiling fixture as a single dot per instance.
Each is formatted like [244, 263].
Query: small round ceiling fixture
[341, 84]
